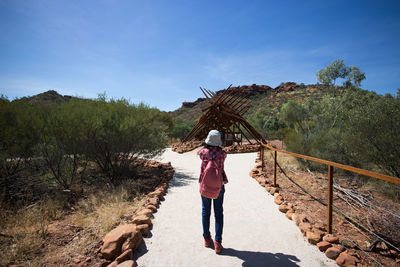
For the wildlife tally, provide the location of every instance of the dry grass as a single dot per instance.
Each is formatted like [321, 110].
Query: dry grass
[284, 160]
[46, 235]
[26, 231]
[96, 216]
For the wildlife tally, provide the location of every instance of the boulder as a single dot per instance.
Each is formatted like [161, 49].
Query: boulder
[126, 255]
[320, 226]
[143, 228]
[103, 263]
[272, 190]
[159, 192]
[141, 219]
[296, 218]
[345, 259]
[289, 214]
[261, 180]
[253, 173]
[331, 239]
[304, 227]
[339, 247]
[153, 201]
[323, 245]
[123, 237]
[146, 212]
[151, 207]
[283, 208]
[314, 236]
[278, 199]
[332, 253]
[129, 263]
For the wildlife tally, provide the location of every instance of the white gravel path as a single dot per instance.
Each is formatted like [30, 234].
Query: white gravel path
[255, 232]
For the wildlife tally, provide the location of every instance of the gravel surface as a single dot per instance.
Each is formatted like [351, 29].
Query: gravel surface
[255, 232]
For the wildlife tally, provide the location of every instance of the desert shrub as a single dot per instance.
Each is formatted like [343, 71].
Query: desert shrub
[123, 132]
[17, 136]
[64, 133]
[359, 128]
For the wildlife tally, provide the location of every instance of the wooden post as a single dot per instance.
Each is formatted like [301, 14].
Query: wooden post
[262, 158]
[275, 163]
[330, 198]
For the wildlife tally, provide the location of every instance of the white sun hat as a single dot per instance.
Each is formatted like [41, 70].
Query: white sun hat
[214, 138]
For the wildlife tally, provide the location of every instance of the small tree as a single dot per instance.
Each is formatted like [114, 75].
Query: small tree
[338, 70]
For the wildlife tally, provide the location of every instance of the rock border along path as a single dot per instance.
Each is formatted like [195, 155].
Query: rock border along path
[255, 232]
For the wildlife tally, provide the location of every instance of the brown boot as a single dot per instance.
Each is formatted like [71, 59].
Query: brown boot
[218, 247]
[207, 241]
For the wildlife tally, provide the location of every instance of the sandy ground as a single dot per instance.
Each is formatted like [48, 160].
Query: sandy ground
[255, 232]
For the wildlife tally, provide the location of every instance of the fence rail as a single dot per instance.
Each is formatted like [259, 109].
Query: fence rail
[330, 165]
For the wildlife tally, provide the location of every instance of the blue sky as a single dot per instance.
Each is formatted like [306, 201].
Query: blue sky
[160, 52]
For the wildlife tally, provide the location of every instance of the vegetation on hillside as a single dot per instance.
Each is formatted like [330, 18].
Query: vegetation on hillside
[335, 120]
[54, 144]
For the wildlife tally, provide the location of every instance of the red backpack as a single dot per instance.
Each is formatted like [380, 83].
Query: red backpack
[211, 182]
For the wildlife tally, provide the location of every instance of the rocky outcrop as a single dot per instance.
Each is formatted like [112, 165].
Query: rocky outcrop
[287, 87]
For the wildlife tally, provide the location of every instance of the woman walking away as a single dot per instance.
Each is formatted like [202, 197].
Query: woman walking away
[212, 180]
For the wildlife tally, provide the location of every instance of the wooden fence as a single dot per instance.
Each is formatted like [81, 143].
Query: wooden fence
[330, 165]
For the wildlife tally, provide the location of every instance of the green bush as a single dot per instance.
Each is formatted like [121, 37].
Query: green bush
[359, 128]
[123, 132]
[67, 136]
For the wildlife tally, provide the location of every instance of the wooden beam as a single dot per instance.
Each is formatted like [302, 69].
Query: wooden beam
[209, 99]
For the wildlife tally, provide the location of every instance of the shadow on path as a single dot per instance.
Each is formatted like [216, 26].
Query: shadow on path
[181, 179]
[252, 258]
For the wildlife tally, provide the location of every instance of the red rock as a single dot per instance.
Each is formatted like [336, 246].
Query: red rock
[296, 218]
[141, 219]
[151, 207]
[289, 214]
[345, 259]
[126, 255]
[76, 261]
[320, 226]
[272, 190]
[103, 263]
[146, 212]
[323, 245]
[123, 237]
[143, 228]
[153, 201]
[331, 239]
[129, 263]
[278, 199]
[157, 193]
[332, 253]
[304, 227]
[283, 208]
[314, 236]
[339, 247]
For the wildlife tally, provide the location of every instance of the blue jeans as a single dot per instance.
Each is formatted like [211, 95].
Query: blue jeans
[218, 214]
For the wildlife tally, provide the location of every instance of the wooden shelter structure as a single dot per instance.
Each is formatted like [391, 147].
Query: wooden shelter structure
[224, 113]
